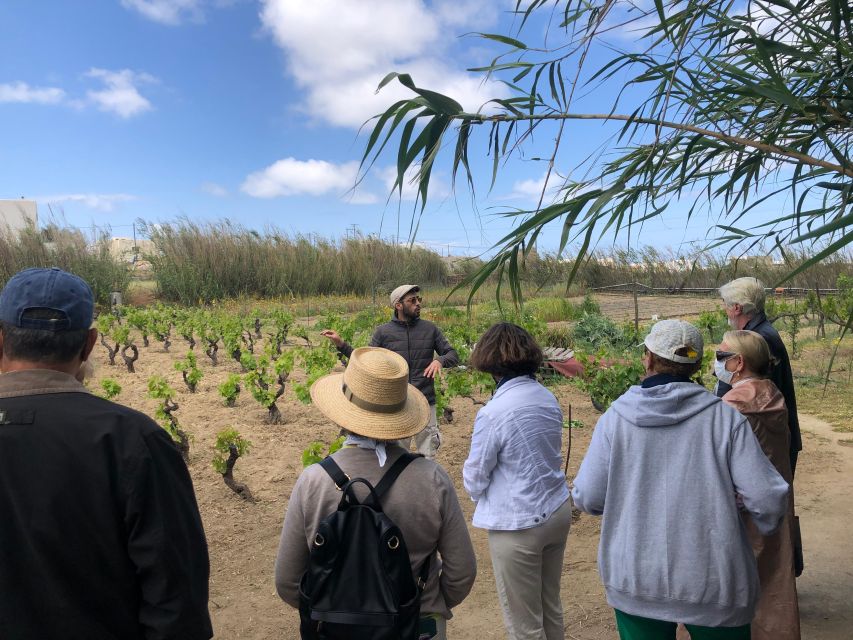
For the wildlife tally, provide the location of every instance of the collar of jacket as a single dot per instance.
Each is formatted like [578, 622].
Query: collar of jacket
[662, 378]
[755, 320]
[512, 383]
[31, 382]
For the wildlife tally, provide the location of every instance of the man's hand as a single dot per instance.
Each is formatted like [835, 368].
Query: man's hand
[433, 368]
[333, 336]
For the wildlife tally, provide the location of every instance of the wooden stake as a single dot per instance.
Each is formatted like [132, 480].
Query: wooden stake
[569, 452]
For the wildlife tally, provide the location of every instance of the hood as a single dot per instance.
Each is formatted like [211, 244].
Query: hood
[663, 405]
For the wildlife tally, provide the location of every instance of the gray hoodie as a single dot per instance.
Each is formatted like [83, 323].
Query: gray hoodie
[663, 468]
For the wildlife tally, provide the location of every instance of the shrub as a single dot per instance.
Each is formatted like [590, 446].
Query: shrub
[231, 442]
[111, 388]
[594, 332]
[606, 383]
[313, 453]
[230, 389]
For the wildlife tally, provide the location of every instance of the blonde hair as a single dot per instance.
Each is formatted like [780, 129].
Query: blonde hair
[752, 348]
[747, 292]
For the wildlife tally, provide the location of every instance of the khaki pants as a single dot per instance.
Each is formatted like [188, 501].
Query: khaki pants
[427, 441]
[528, 564]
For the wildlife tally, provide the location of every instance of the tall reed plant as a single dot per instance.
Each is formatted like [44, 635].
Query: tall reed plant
[198, 263]
[68, 249]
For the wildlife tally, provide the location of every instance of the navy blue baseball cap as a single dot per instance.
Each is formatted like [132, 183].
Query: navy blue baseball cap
[50, 289]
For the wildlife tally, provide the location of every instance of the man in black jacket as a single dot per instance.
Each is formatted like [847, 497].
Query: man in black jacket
[417, 341]
[744, 304]
[100, 534]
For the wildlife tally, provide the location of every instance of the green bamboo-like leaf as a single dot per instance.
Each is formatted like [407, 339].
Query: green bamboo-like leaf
[832, 248]
[839, 224]
[518, 44]
[780, 89]
[437, 101]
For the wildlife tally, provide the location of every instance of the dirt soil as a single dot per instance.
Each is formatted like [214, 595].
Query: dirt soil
[243, 537]
[620, 307]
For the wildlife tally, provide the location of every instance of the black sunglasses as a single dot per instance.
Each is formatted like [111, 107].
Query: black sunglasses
[724, 355]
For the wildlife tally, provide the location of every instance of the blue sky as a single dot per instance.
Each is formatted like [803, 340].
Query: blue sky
[115, 110]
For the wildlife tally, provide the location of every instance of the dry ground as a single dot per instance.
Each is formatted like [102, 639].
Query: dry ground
[243, 537]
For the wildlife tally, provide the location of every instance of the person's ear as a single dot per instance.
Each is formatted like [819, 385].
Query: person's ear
[91, 339]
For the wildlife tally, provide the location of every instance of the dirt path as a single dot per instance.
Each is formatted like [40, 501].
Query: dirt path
[243, 537]
[825, 506]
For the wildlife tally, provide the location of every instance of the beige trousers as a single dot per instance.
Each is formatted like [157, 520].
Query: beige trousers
[427, 441]
[528, 565]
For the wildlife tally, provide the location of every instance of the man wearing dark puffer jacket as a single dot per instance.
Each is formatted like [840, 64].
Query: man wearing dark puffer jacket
[417, 341]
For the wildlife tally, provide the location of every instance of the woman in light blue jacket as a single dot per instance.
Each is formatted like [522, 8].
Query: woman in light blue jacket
[514, 474]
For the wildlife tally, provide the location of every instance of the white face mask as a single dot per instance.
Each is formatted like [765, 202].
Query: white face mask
[723, 375]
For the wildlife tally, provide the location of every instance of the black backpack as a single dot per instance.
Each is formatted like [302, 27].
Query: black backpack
[359, 583]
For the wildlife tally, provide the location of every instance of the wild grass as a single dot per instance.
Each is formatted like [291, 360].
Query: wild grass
[832, 401]
[703, 269]
[198, 263]
[202, 262]
[67, 249]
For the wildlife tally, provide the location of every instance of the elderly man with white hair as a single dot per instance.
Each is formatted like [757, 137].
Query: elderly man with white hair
[744, 304]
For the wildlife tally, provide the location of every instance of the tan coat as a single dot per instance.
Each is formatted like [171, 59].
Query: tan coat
[777, 616]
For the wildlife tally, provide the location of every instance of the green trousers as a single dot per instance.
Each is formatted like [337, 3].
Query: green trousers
[638, 628]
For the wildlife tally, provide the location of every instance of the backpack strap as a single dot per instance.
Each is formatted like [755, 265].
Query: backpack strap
[394, 472]
[335, 472]
[382, 488]
[424, 574]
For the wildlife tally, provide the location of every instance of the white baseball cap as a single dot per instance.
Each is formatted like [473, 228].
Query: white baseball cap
[676, 341]
[398, 293]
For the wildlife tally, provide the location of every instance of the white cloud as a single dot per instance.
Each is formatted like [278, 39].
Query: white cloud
[168, 12]
[292, 177]
[213, 189]
[360, 196]
[339, 51]
[388, 175]
[532, 189]
[24, 93]
[120, 94]
[103, 202]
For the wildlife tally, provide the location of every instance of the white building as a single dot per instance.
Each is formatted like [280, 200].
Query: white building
[16, 215]
[126, 250]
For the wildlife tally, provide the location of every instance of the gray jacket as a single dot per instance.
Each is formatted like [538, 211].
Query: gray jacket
[422, 503]
[417, 342]
[663, 468]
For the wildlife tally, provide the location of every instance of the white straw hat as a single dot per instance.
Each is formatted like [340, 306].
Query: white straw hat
[669, 337]
[373, 397]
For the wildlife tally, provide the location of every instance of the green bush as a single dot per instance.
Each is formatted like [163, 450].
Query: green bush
[605, 383]
[314, 452]
[225, 439]
[595, 332]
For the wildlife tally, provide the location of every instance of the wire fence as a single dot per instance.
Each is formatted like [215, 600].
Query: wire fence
[642, 289]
